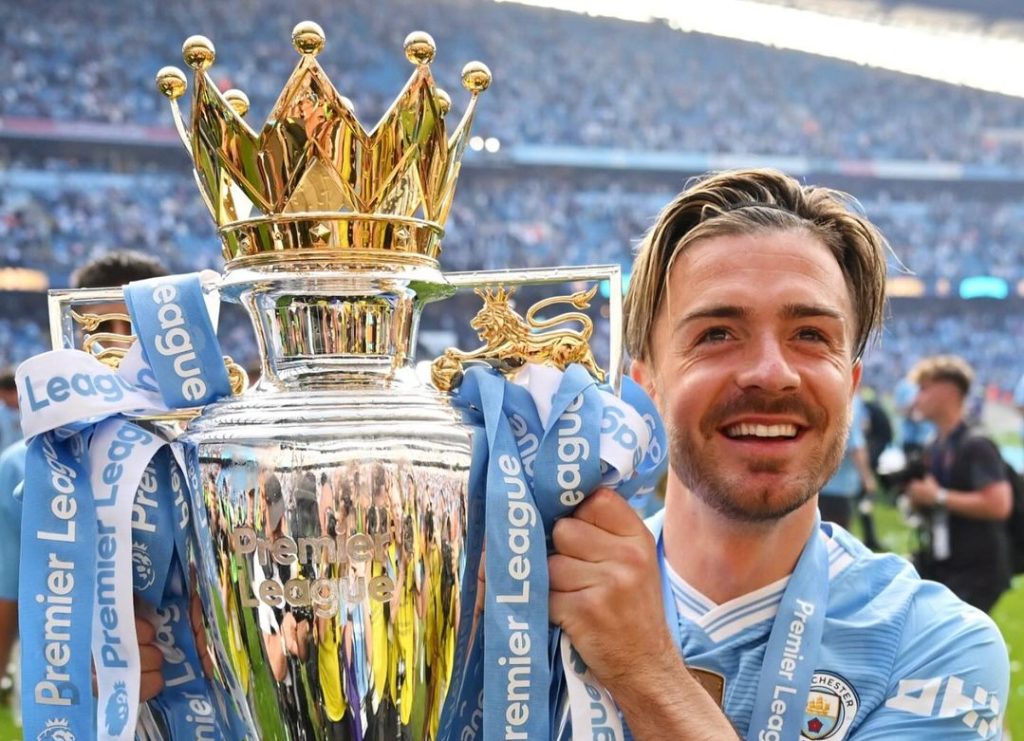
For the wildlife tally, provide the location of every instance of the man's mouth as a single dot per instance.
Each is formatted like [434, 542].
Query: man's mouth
[750, 431]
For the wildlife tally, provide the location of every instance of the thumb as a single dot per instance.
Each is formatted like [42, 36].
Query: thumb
[608, 510]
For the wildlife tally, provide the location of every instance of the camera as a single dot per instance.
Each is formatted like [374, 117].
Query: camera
[902, 469]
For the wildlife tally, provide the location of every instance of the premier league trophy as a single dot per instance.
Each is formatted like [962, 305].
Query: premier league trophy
[332, 520]
[322, 582]
[330, 508]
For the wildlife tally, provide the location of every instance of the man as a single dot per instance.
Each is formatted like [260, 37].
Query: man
[853, 475]
[915, 432]
[10, 429]
[751, 301]
[966, 495]
[1018, 401]
[110, 269]
[12, 458]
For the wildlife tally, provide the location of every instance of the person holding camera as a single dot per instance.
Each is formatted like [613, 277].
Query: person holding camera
[964, 494]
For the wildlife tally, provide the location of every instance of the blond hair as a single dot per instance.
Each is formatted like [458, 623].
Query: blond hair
[950, 368]
[749, 202]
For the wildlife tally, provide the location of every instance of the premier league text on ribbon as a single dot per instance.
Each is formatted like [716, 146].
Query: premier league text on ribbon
[785, 691]
[571, 447]
[522, 515]
[174, 341]
[121, 448]
[110, 387]
[56, 688]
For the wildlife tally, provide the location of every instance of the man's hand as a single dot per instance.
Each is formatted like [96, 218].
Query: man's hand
[606, 592]
[151, 661]
[923, 492]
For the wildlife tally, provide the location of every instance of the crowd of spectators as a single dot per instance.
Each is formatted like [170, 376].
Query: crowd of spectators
[560, 78]
[988, 338]
[53, 223]
[632, 86]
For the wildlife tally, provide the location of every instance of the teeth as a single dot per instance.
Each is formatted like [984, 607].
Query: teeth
[749, 430]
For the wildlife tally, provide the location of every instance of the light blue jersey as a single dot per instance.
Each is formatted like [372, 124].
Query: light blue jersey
[1018, 399]
[912, 431]
[12, 471]
[901, 658]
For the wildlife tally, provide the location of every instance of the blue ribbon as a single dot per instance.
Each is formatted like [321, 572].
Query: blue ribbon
[58, 576]
[152, 551]
[535, 473]
[56, 587]
[178, 339]
[791, 655]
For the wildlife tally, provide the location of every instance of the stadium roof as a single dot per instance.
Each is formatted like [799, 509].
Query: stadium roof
[957, 47]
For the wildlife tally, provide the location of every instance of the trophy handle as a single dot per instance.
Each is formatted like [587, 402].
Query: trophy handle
[77, 317]
[511, 340]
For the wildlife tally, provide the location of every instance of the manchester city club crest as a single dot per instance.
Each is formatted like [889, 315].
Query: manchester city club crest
[831, 707]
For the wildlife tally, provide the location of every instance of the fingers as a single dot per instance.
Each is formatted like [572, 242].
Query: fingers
[610, 512]
[151, 660]
[199, 633]
[567, 574]
[481, 584]
[589, 537]
[150, 685]
[583, 540]
[145, 633]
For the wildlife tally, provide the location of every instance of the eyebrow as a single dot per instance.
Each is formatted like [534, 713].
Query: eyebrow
[731, 311]
[809, 311]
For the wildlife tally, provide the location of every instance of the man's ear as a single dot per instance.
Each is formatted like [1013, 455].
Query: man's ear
[857, 372]
[640, 372]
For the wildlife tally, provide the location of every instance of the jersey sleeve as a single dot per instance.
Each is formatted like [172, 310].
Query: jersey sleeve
[951, 677]
[12, 470]
[984, 463]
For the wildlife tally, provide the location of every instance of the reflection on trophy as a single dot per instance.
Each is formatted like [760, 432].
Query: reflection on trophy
[329, 500]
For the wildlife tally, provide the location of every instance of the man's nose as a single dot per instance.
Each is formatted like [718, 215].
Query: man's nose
[766, 367]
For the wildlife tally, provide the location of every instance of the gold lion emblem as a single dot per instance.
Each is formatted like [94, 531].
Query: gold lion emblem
[511, 340]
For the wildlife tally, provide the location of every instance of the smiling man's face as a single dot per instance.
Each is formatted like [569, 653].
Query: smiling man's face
[752, 370]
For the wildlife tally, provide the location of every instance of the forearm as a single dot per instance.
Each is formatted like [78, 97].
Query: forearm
[667, 702]
[975, 505]
[8, 631]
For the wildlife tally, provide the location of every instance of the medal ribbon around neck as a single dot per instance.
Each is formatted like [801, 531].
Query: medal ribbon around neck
[791, 655]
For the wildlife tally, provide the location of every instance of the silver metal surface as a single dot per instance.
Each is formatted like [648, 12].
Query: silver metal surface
[330, 521]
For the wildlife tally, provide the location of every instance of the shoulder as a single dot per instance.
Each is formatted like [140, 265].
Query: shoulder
[952, 670]
[12, 464]
[936, 657]
[945, 638]
[934, 626]
[979, 440]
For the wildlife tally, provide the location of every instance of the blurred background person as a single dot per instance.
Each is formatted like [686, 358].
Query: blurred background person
[965, 493]
[841, 492]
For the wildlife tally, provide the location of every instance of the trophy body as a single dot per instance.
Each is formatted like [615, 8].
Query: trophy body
[330, 520]
[330, 500]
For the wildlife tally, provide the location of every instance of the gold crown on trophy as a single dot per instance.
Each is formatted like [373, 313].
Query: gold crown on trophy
[313, 186]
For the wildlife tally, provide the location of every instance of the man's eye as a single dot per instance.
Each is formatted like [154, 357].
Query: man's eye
[811, 334]
[715, 334]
